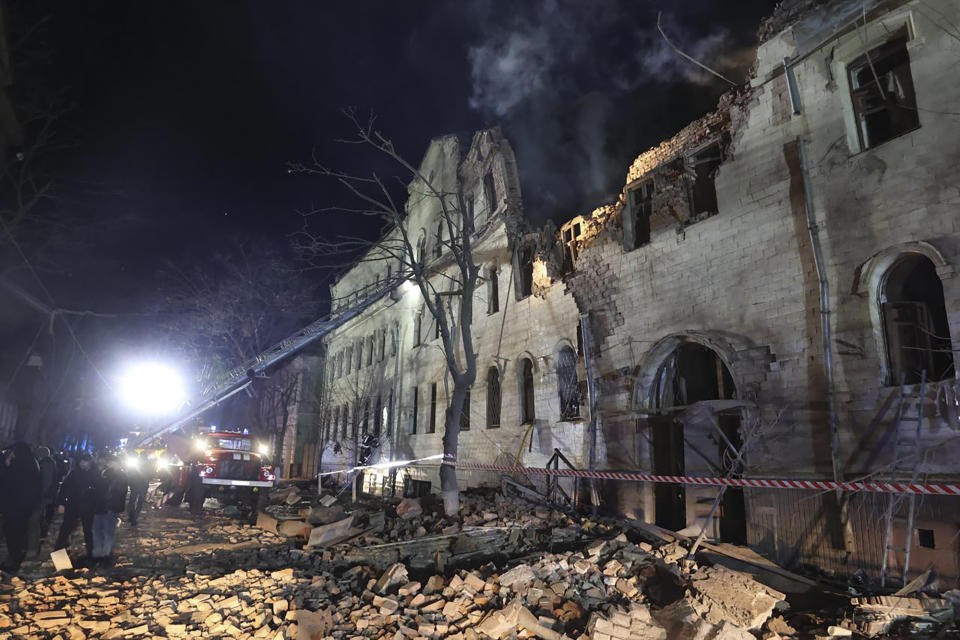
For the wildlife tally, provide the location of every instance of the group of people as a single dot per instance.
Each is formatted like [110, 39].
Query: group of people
[92, 492]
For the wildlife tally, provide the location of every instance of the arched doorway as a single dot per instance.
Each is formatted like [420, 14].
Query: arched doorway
[690, 374]
[916, 329]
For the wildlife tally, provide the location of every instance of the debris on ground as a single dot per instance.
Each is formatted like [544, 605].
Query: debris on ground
[504, 569]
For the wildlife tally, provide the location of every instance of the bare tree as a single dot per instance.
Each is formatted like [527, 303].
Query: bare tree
[446, 282]
[233, 308]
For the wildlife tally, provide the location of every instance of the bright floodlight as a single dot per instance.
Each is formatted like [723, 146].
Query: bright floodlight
[152, 388]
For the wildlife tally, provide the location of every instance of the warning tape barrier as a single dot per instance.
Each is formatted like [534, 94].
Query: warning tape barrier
[938, 489]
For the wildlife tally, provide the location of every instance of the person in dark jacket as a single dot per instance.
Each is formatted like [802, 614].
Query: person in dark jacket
[77, 501]
[19, 500]
[49, 488]
[138, 475]
[110, 502]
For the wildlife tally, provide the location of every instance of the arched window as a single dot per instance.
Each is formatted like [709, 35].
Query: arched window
[568, 387]
[421, 249]
[527, 406]
[438, 241]
[493, 398]
[915, 322]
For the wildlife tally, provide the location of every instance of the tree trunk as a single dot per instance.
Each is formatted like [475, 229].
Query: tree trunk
[449, 489]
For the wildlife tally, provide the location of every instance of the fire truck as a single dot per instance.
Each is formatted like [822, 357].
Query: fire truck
[227, 464]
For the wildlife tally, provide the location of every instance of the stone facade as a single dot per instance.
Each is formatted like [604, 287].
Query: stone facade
[399, 355]
[764, 283]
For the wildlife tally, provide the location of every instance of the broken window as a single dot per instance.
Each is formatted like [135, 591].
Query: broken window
[370, 346]
[359, 352]
[493, 291]
[438, 241]
[570, 235]
[493, 398]
[415, 410]
[433, 408]
[349, 360]
[636, 215]
[393, 338]
[524, 282]
[421, 250]
[465, 413]
[490, 193]
[702, 168]
[527, 405]
[926, 539]
[915, 323]
[417, 328]
[881, 89]
[568, 387]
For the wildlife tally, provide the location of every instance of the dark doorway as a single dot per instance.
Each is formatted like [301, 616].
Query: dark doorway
[694, 373]
[915, 322]
[669, 499]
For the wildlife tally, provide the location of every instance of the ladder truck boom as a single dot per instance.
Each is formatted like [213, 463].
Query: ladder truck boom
[239, 378]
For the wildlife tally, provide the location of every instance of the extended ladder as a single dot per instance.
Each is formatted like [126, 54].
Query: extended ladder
[906, 464]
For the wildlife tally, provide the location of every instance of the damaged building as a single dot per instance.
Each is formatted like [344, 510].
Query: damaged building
[774, 294]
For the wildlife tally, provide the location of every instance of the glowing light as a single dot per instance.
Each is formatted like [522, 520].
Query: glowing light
[131, 462]
[263, 448]
[152, 388]
[199, 444]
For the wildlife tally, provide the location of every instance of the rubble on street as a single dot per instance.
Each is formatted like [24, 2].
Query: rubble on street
[552, 576]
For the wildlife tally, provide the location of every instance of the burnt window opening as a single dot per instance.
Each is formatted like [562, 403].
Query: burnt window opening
[493, 398]
[524, 272]
[636, 218]
[421, 257]
[388, 415]
[383, 344]
[882, 92]
[359, 363]
[465, 413]
[493, 291]
[370, 347]
[365, 417]
[702, 169]
[348, 360]
[378, 415]
[528, 411]
[490, 193]
[433, 408]
[570, 236]
[394, 336]
[915, 323]
[926, 539]
[568, 386]
[438, 241]
[415, 410]
[579, 338]
[417, 328]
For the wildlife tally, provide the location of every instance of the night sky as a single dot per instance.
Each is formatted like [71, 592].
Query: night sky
[187, 113]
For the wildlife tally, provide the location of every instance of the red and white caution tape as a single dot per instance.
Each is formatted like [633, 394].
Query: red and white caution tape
[938, 489]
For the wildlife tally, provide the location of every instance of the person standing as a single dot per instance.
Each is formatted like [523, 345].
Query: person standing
[19, 501]
[139, 479]
[77, 502]
[49, 488]
[111, 499]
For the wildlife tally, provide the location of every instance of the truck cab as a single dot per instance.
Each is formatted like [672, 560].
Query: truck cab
[229, 465]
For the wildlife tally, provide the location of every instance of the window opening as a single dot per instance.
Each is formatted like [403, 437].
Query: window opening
[465, 413]
[528, 406]
[493, 398]
[433, 408]
[526, 272]
[702, 170]
[915, 322]
[415, 410]
[639, 210]
[882, 92]
[568, 387]
[493, 291]
[925, 538]
[490, 193]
